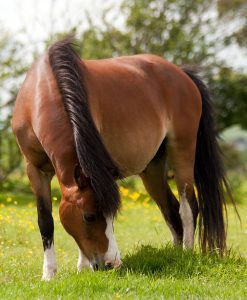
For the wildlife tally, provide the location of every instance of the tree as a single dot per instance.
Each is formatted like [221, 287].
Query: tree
[169, 28]
[235, 12]
[229, 91]
[12, 69]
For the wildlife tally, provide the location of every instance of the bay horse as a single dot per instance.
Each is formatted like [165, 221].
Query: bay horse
[92, 122]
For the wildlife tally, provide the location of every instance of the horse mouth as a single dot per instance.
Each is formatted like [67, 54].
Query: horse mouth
[96, 266]
[106, 266]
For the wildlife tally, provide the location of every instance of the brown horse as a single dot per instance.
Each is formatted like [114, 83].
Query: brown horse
[91, 122]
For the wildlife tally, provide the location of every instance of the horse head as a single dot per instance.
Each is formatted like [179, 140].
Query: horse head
[89, 226]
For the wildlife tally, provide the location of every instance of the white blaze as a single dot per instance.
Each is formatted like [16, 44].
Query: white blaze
[50, 265]
[112, 255]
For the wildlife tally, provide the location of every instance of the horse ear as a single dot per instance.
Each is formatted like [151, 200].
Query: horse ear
[81, 180]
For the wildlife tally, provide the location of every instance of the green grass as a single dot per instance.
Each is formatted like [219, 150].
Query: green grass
[152, 268]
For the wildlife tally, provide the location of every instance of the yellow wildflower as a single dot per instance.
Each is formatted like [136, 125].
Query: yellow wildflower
[30, 205]
[134, 196]
[123, 191]
[146, 200]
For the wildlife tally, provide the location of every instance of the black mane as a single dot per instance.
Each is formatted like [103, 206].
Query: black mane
[93, 157]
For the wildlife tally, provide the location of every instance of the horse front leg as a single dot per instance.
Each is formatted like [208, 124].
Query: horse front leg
[41, 185]
[83, 262]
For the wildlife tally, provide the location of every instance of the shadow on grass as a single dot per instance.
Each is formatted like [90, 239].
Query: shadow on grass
[175, 262]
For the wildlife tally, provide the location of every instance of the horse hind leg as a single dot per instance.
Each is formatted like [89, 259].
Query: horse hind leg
[154, 180]
[40, 183]
[182, 155]
[173, 218]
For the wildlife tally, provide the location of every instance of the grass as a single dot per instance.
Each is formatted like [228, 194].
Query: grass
[152, 269]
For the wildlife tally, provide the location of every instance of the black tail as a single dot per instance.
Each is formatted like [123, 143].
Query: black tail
[210, 177]
[93, 157]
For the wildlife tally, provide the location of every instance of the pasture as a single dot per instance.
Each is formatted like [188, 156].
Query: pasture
[152, 268]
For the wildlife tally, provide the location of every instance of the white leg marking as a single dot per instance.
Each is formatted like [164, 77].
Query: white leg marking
[83, 262]
[187, 221]
[112, 255]
[50, 265]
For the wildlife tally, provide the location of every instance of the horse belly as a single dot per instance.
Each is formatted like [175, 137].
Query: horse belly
[132, 144]
[133, 160]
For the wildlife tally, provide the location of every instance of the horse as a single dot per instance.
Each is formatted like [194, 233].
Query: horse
[92, 122]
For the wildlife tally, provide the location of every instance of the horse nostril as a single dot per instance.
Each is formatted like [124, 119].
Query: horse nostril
[108, 266]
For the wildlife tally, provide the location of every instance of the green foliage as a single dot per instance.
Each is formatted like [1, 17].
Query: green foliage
[235, 12]
[229, 90]
[167, 28]
[9, 153]
[12, 69]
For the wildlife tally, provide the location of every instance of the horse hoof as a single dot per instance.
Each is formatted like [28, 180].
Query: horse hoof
[48, 275]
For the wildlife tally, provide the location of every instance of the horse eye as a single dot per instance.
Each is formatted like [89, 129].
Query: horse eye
[89, 218]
